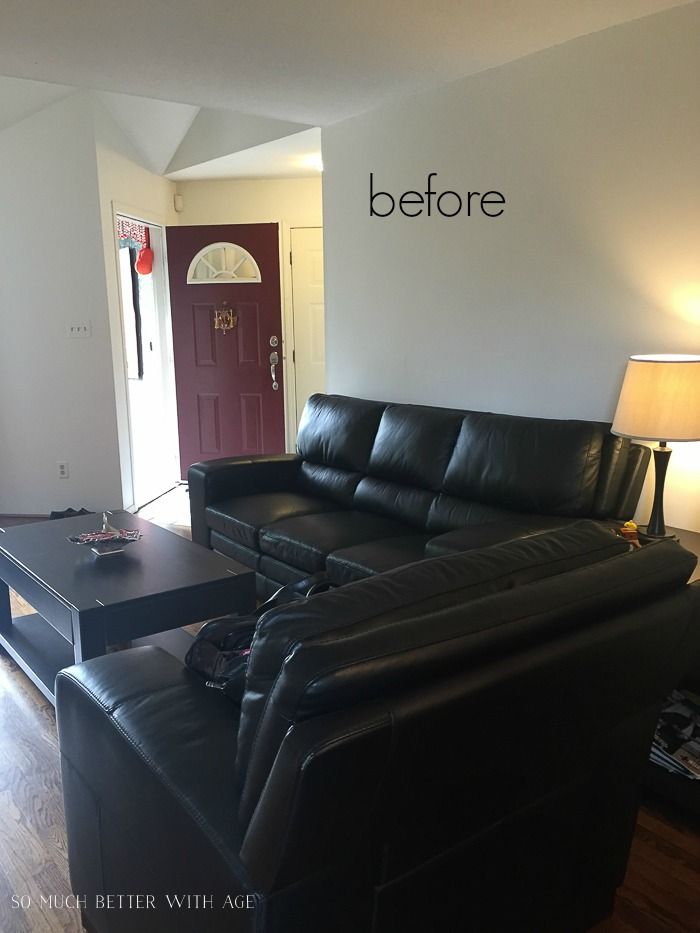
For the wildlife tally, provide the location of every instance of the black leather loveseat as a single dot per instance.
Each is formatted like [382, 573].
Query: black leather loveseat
[450, 746]
[377, 485]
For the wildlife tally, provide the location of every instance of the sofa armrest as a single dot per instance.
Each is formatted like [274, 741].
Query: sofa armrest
[146, 757]
[632, 482]
[318, 830]
[215, 480]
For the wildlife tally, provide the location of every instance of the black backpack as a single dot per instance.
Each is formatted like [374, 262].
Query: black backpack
[219, 652]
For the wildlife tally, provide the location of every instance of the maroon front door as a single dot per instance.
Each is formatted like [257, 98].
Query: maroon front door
[227, 401]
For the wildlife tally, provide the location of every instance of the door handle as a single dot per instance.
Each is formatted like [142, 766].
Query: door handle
[274, 362]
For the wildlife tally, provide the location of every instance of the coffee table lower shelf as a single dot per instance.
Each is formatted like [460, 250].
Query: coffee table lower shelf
[39, 650]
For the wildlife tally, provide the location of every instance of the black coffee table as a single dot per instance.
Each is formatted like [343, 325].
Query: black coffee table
[84, 603]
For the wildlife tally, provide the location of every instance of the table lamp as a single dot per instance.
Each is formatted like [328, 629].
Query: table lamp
[660, 398]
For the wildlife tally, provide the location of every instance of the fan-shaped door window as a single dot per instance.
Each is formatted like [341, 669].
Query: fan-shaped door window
[223, 263]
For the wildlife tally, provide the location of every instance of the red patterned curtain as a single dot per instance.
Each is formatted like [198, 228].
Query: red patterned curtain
[131, 233]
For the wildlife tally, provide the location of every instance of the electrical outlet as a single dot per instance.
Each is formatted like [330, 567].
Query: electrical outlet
[80, 330]
[63, 471]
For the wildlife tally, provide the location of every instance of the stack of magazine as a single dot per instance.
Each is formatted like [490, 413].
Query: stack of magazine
[676, 745]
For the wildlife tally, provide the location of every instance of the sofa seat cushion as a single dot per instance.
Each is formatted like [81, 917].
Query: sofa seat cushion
[242, 517]
[478, 536]
[244, 555]
[307, 540]
[365, 560]
[278, 573]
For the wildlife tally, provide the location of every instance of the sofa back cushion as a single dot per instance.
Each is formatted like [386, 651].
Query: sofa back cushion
[527, 464]
[339, 432]
[413, 445]
[372, 655]
[423, 589]
[440, 458]
[489, 714]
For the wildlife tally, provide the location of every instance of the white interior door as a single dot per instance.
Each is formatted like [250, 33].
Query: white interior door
[308, 306]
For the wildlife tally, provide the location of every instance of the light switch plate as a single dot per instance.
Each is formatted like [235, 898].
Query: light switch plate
[80, 330]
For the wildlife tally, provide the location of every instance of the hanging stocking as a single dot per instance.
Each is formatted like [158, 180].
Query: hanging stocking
[144, 260]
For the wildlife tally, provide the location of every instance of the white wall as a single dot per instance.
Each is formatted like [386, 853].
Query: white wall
[294, 201]
[127, 187]
[56, 393]
[595, 145]
[291, 202]
[63, 173]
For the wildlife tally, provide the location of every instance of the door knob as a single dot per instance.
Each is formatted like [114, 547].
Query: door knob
[274, 362]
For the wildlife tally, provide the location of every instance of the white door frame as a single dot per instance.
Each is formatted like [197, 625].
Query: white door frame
[121, 384]
[290, 381]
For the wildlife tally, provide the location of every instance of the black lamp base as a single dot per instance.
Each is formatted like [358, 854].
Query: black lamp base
[672, 536]
[656, 527]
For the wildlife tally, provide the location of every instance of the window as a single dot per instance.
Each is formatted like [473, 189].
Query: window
[223, 263]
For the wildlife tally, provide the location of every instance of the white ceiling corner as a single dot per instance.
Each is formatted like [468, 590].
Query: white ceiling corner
[155, 127]
[20, 98]
[217, 133]
[294, 156]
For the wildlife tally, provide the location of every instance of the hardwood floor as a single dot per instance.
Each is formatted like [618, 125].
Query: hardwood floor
[7, 521]
[33, 858]
[661, 893]
[171, 511]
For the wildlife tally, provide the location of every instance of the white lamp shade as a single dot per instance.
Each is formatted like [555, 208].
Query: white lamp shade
[660, 399]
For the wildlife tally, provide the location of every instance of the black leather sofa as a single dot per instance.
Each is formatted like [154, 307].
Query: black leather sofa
[450, 746]
[377, 485]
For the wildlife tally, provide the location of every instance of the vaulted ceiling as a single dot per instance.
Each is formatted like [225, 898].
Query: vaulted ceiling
[240, 74]
[301, 60]
[183, 141]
